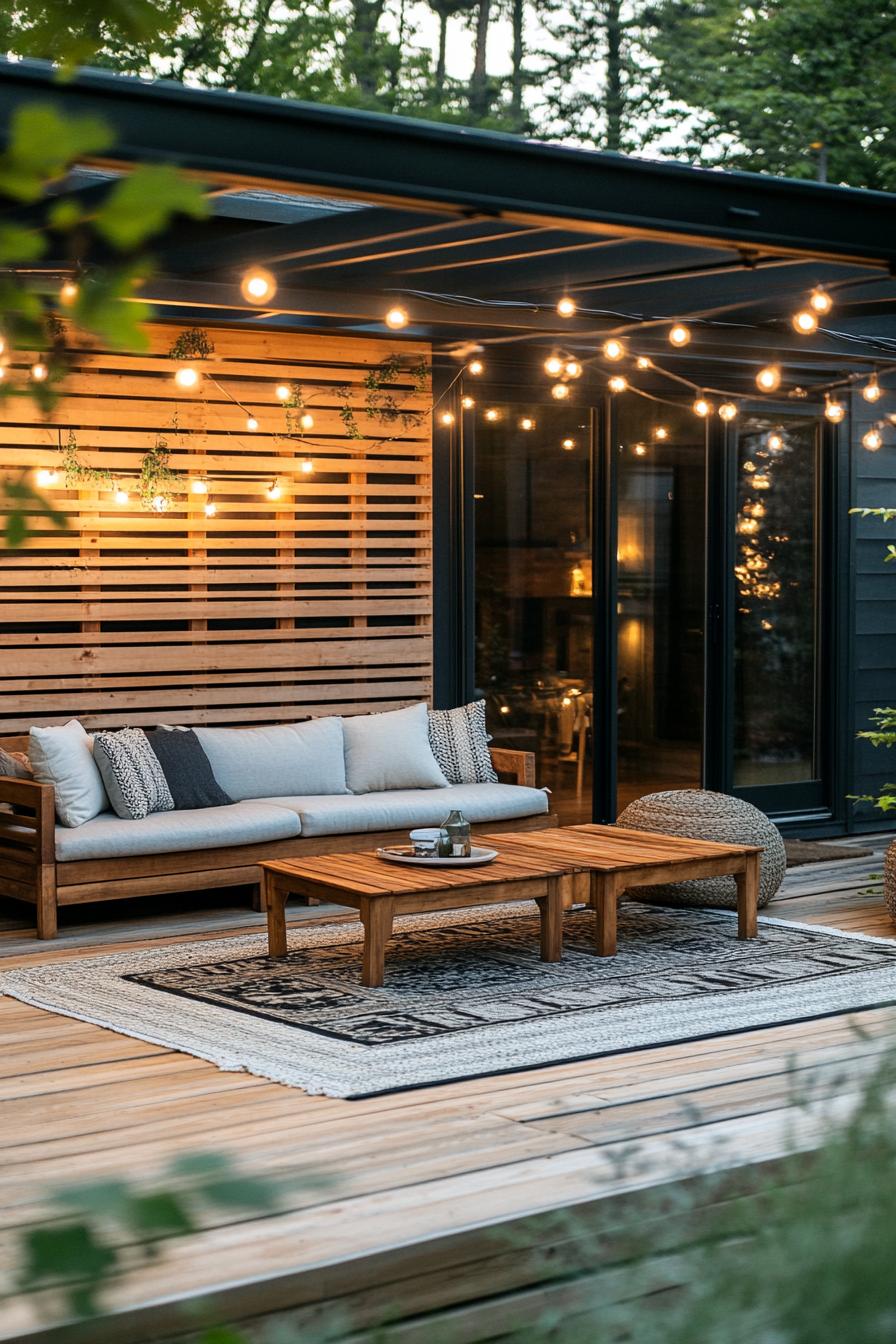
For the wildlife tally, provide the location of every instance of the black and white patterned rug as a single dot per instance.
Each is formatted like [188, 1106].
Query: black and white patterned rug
[465, 995]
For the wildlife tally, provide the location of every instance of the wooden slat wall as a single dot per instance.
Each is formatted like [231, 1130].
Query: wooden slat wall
[320, 603]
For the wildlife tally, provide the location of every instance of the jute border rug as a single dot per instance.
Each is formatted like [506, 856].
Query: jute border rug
[466, 994]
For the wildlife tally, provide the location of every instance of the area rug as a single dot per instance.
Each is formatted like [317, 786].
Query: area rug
[800, 852]
[465, 995]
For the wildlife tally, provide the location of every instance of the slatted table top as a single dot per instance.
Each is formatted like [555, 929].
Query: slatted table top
[521, 856]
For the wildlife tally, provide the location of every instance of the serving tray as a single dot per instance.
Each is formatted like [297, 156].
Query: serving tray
[405, 854]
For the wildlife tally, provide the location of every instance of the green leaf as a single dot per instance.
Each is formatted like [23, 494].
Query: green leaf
[141, 205]
[42, 144]
[201, 1165]
[101, 1198]
[70, 1251]
[18, 244]
[159, 1214]
[240, 1192]
[106, 307]
[64, 215]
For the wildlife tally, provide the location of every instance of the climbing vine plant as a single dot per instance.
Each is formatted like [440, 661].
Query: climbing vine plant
[381, 404]
[158, 480]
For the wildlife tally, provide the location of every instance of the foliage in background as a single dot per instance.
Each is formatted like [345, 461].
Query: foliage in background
[883, 734]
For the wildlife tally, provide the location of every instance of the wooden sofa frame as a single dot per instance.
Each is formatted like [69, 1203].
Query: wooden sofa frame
[29, 871]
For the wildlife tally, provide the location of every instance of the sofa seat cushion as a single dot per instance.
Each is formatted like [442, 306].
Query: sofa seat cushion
[400, 809]
[108, 836]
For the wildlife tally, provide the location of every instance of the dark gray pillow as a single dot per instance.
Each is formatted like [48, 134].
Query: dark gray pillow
[187, 770]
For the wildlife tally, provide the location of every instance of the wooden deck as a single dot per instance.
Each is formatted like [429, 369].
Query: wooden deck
[418, 1179]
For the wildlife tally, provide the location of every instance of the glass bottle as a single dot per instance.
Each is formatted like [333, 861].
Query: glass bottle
[458, 829]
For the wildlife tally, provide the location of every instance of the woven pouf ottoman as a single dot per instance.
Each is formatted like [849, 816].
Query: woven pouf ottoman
[700, 815]
[890, 880]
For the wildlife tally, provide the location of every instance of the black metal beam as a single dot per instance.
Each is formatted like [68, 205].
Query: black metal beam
[230, 137]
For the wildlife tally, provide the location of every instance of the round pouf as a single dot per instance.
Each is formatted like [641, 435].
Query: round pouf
[890, 880]
[700, 815]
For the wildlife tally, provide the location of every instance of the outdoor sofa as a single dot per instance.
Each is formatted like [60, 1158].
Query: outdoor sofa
[108, 856]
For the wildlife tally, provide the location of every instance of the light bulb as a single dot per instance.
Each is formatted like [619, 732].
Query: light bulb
[468, 403]
[306, 421]
[614, 349]
[640, 449]
[39, 372]
[68, 292]
[307, 467]
[566, 306]
[643, 362]
[199, 487]
[553, 365]
[251, 423]
[775, 442]
[761, 481]
[569, 444]
[274, 490]
[769, 378]
[821, 300]
[446, 418]
[872, 391]
[159, 503]
[727, 410]
[661, 433]
[475, 367]
[702, 407]
[283, 392]
[617, 383]
[121, 496]
[211, 509]
[46, 476]
[258, 285]
[573, 368]
[679, 335]
[187, 377]
[396, 318]
[834, 410]
[492, 415]
[872, 440]
[749, 467]
[805, 322]
[559, 391]
[527, 422]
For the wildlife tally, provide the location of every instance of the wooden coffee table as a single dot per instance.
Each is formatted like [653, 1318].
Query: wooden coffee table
[379, 890]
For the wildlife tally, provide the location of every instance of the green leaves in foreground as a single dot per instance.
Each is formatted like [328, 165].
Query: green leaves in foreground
[24, 502]
[42, 144]
[141, 205]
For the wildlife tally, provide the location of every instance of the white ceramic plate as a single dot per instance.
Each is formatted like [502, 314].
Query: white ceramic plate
[404, 854]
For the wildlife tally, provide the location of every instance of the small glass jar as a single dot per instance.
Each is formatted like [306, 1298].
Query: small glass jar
[458, 829]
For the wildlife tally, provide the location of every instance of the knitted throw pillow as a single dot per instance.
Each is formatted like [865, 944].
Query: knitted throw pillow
[459, 742]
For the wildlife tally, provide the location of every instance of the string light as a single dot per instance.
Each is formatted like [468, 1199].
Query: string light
[46, 476]
[446, 418]
[559, 391]
[702, 407]
[553, 365]
[568, 444]
[122, 496]
[396, 318]
[872, 440]
[475, 367]
[761, 481]
[307, 467]
[872, 391]
[775, 442]
[527, 422]
[643, 362]
[566, 306]
[159, 503]
[39, 372]
[805, 322]
[468, 403]
[614, 349]
[617, 383]
[187, 377]
[211, 509]
[199, 487]
[252, 423]
[679, 335]
[769, 378]
[274, 490]
[282, 392]
[727, 410]
[640, 449]
[749, 466]
[833, 410]
[492, 414]
[258, 285]
[306, 421]
[68, 292]
[573, 368]
[661, 433]
[821, 300]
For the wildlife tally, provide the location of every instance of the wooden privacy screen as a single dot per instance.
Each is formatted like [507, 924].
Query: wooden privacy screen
[316, 603]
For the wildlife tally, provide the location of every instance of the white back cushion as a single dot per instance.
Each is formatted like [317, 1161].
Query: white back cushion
[288, 758]
[390, 751]
[63, 757]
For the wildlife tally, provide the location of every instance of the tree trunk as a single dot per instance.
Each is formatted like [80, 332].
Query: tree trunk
[440, 60]
[247, 68]
[516, 79]
[479, 96]
[362, 54]
[615, 97]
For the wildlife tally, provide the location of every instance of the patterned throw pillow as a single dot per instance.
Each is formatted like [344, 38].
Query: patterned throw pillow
[134, 779]
[459, 742]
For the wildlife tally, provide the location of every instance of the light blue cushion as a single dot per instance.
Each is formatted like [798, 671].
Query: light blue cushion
[400, 809]
[284, 758]
[108, 836]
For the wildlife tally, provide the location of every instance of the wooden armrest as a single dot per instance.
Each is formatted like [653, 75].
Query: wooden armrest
[28, 848]
[519, 765]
